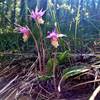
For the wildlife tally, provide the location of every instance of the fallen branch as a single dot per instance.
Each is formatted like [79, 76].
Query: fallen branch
[17, 54]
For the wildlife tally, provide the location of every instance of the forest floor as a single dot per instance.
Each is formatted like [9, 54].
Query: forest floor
[19, 80]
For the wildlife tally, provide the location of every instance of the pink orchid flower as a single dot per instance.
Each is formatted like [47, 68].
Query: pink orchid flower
[25, 32]
[37, 15]
[54, 37]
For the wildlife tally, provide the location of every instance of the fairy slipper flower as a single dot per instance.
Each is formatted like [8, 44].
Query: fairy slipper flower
[54, 37]
[25, 32]
[37, 15]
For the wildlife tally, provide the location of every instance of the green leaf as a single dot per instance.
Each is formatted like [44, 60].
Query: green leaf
[44, 77]
[63, 56]
[68, 72]
[50, 65]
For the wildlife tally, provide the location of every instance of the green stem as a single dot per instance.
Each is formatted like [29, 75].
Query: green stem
[54, 70]
[76, 24]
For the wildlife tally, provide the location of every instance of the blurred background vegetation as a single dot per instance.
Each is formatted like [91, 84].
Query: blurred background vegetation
[78, 19]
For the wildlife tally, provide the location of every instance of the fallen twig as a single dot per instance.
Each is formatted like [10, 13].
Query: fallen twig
[8, 84]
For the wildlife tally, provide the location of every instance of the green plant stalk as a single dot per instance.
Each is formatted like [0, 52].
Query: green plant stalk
[53, 14]
[42, 50]
[54, 70]
[76, 25]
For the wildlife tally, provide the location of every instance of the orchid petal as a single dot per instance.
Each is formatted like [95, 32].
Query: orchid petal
[61, 35]
[51, 35]
[33, 15]
[36, 10]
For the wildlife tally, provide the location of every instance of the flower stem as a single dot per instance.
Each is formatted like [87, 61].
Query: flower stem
[54, 70]
[42, 50]
[36, 44]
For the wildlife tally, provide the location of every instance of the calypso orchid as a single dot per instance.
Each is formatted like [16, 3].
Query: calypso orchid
[25, 31]
[37, 15]
[54, 37]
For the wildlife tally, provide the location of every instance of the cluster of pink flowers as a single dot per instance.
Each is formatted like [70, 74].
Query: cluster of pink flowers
[37, 16]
